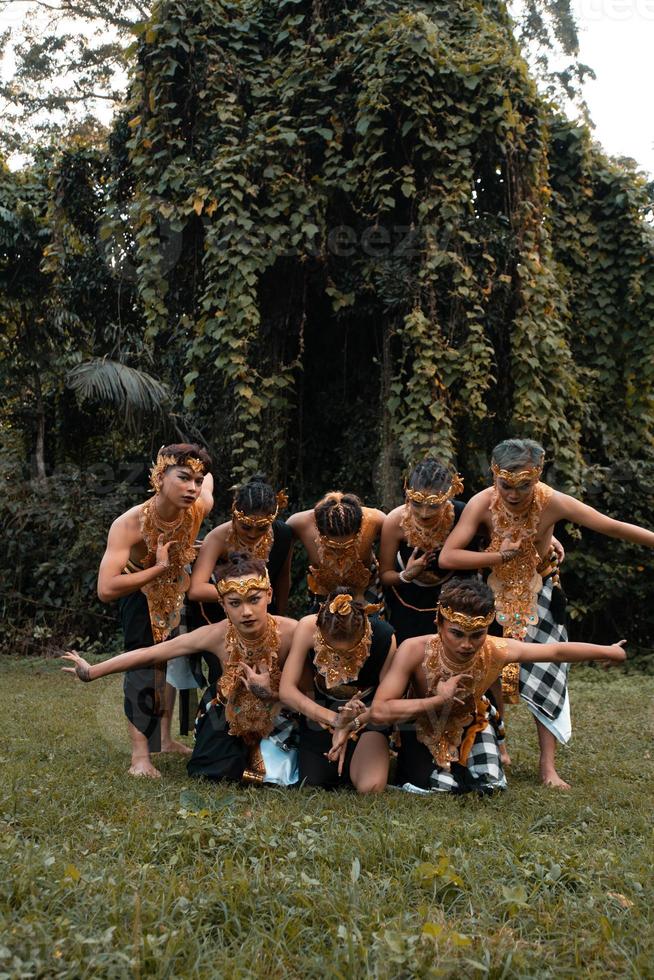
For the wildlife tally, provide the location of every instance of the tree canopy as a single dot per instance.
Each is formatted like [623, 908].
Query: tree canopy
[327, 238]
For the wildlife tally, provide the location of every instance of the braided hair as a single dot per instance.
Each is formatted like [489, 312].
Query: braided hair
[255, 497]
[467, 595]
[430, 474]
[339, 625]
[338, 515]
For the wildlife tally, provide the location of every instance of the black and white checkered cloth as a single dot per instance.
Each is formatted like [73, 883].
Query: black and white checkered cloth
[483, 772]
[543, 686]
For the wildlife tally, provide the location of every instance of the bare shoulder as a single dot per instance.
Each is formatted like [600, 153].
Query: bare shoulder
[287, 627]
[219, 530]
[374, 514]
[561, 504]
[217, 535]
[393, 518]
[480, 503]
[412, 651]
[212, 636]
[300, 520]
[128, 525]
[307, 624]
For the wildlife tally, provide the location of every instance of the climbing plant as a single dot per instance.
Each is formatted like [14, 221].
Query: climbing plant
[345, 234]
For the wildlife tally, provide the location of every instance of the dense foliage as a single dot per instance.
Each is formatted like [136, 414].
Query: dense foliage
[328, 238]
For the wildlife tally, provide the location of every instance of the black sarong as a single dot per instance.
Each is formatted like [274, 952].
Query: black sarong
[217, 755]
[142, 706]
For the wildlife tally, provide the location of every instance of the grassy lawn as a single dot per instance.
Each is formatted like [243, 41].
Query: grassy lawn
[102, 875]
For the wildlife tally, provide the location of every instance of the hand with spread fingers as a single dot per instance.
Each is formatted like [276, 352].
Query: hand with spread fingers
[81, 669]
[347, 712]
[615, 654]
[162, 558]
[257, 680]
[415, 565]
[453, 686]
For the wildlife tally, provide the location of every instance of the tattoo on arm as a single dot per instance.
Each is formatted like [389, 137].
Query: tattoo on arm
[83, 673]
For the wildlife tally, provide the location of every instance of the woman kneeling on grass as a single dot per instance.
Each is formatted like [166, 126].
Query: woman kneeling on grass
[239, 731]
[338, 657]
[453, 745]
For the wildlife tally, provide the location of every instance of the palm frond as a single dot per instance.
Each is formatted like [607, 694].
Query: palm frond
[133, 393]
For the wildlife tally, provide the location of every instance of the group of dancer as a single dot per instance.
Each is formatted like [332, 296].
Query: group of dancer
[407, 655]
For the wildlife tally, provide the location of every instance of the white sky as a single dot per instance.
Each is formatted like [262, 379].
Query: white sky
[617, 41]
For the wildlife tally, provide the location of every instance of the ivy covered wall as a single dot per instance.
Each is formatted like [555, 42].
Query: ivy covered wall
[343, 234]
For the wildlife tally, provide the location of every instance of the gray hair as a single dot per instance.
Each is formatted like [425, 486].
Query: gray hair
[515, 454]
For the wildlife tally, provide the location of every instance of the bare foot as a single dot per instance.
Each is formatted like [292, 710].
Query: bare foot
[142, 766]
[505, 758]
[177, 747]
[552, 780]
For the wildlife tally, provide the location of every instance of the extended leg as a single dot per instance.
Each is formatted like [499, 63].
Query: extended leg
[141, 762]
[548, 774]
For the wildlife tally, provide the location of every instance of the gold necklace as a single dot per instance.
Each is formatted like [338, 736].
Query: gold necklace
[428, 536]
[162, 524]
[516, 583]
[255, 549]
[341, 666]
[247, 715]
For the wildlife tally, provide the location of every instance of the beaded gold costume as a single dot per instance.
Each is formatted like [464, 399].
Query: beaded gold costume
[428, 535]
[516, 583]
[339, 563]
[443, 733]
[165, 594]
[248, 716]
[254, 549]
[338, 667]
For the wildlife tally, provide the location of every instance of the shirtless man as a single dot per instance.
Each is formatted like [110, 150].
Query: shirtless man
[518, 515]
[447, 676]
[338, 537]
[143, 567]
[239, 713]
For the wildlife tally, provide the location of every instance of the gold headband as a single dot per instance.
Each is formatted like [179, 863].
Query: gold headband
[513, 478]
[247, 520]
[467, 623]
[434, 499]
[163, 462]
[243, 586]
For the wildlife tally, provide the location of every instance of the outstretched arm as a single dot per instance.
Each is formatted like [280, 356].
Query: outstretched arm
[563, 653]
[200, 639]
[571, 509]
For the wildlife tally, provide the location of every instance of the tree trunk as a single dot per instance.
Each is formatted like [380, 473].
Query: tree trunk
[39, 449]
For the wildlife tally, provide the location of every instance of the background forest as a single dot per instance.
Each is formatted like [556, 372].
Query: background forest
[323, 238]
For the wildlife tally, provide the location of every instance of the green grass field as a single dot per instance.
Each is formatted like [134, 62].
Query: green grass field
[103, 875]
